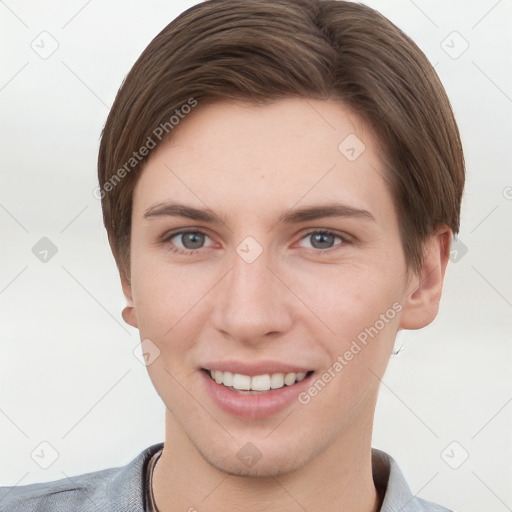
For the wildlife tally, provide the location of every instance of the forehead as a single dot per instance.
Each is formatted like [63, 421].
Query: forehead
[260, 159]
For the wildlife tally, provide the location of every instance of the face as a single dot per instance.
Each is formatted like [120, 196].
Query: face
[268, 281]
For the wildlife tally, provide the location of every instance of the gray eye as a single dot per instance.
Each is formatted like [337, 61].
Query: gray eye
[322, 240]
[192, 240]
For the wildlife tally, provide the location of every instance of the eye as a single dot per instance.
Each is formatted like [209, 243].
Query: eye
[323, 240]
[186, 242]
[190, 241]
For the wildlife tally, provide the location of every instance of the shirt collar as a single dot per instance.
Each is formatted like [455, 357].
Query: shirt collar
[390, 482]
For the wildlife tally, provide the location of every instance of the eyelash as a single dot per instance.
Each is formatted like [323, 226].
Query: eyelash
[167, 238]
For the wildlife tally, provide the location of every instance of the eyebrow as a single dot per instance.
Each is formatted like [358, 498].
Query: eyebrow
[294, 216]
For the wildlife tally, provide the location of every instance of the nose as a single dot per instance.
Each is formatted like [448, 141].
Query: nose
[252, 303]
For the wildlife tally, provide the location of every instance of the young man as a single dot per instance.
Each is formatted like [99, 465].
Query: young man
[280, 182]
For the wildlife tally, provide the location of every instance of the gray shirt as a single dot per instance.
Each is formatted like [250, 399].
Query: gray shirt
[125, 489]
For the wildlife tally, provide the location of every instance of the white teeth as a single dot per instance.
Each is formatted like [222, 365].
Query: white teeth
[301, 376]
[260, 382]
[289, 378]
[227, 379]
[241, 381]
[277, 380]
[257, 382]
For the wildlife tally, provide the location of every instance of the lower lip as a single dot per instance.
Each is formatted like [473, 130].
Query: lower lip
[254, 406]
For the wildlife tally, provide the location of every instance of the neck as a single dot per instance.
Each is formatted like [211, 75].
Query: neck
[339, 479]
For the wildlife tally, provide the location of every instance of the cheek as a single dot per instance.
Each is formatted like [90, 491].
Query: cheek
[168, 308]
[166, 298]
[350, 299]
[363, 310]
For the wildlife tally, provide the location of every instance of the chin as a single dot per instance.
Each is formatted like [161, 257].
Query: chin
[267, 461]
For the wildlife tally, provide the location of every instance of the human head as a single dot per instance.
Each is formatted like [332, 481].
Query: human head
[259, 51]
[225, 105]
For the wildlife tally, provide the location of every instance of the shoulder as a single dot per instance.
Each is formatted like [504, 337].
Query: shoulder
[115, 488]
[67, 492]
[394, 489]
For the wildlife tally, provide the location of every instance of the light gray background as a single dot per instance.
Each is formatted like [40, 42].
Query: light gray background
[68, 373]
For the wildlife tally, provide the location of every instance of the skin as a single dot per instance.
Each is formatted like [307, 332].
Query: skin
[299, 302]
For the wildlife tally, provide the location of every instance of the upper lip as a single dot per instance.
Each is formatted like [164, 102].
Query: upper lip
[254, 368]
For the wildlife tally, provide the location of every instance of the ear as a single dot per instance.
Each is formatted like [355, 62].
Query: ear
[129, 313]
[424, 290]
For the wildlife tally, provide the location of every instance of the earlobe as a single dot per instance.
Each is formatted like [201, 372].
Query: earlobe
[422, 301]
[129, 316]
[129, 313]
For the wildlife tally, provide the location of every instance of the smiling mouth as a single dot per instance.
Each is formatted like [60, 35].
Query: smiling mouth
[252, 385]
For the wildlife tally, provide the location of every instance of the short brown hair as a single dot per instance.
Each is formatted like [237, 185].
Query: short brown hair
[258, 51]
